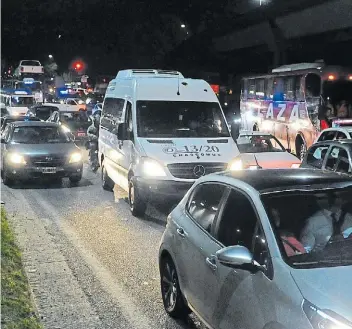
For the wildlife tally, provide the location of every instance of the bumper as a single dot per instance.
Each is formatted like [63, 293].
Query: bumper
[158, 190]
[22, 173]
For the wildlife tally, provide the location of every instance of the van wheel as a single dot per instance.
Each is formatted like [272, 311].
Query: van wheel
[106, 181]
[137, 205]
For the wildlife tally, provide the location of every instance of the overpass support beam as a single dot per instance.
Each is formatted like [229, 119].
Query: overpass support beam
[277, 43]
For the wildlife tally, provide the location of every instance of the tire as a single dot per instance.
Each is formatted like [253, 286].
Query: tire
[75, 179]
[174, 303]
[106, 181]
[5, 179]
[301, 148]
[137, 205]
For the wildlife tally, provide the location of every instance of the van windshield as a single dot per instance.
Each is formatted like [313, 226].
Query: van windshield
[318, 233]
[18, 101]
[180, 119]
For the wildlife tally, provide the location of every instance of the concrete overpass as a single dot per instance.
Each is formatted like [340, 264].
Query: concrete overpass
[250, 37]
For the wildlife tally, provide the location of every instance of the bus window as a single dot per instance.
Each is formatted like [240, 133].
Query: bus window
[278, 89]
[259, 89]
[289, 89]
[269, 88]
[299, 90]
[244, 84]
[251, 89]
[313, 85]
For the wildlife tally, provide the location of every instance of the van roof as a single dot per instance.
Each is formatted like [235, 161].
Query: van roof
[148, 73]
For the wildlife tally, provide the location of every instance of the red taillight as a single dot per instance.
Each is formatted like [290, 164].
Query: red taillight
[331, 77]
[22, 69]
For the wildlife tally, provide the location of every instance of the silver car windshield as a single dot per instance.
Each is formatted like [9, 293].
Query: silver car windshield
[38, 135]
[313, 229]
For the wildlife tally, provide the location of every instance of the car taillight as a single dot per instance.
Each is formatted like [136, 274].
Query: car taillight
[43, 69]
[22, 68]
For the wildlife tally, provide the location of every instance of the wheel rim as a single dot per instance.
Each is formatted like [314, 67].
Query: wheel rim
[131, 195]
[303, 151]
[169, 284]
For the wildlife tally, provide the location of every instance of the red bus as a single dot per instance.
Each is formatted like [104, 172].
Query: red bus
[295, 102]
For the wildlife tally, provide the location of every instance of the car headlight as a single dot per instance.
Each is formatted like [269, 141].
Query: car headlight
[295, 165]
[153, 168]
[75, 157]
[324, 319]
[65, 129]
[16, 158]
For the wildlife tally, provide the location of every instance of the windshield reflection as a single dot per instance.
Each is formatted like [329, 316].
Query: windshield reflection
[38, 135]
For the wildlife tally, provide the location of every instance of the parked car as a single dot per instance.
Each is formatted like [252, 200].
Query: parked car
[42, 112]
[75, 123]
[331, 134]
[38, 149]
[12, 118]
[253, 249]
[70, 104]
[261, 150]
[330, 155]
[30, 67]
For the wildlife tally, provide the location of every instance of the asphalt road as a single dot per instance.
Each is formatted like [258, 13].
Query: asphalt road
[89, 262]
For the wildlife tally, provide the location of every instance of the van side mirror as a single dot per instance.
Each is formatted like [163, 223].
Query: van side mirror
[122, 132]
[235, 129]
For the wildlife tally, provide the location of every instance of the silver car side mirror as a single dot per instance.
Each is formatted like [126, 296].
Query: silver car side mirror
[235, 256]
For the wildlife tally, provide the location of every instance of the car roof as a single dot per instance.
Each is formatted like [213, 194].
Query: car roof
[347, 128]
[34, 123]
[347, 142]
[24, 117]
[276, 180]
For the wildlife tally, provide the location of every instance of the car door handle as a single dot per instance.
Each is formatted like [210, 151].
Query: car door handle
[181, 232]
[211, 263]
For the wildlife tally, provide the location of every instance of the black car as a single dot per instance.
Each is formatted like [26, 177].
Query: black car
[74, 122]
[330, 155]
[42, 112]
[12, 118]
[38, 149]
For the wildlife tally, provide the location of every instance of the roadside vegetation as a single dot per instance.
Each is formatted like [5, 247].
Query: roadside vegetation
[17, 309]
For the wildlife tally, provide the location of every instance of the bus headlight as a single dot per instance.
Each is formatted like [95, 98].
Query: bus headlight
[16, 158]
[152, 168]
[75, 157]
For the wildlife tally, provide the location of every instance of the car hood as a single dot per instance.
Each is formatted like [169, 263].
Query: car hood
[43, 149]
[272, 160]
[327, 288]
[171, 150]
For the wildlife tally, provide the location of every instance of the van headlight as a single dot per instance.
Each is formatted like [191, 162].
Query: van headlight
[16, 158]
[75, 157]
[324, 319]
[152, 168]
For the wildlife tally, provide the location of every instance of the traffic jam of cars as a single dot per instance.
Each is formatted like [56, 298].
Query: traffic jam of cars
[260, 231]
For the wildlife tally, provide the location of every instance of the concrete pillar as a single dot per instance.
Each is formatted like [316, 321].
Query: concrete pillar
[276, 43]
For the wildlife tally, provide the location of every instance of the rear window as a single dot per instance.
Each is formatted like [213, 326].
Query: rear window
[75, 120]
[44, 112]
[30, 63]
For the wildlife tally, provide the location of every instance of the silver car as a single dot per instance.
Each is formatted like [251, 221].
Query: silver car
[269, 249]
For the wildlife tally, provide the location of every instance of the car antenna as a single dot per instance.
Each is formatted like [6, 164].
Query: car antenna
[255, 158]
[178, 86]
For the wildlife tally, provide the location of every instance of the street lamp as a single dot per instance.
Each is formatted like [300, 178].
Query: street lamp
[183, 26]
[51, 56]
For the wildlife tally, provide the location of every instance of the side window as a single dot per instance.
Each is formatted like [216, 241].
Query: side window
[244, 85]
[71, 102]
[316, 155]
[129, 120]
[299, 89]
[269, 88]
[279, 87]
[260, 88]
[204, 204]
[112, 112]
[338, 160]
[289, 88]
[341, 135]
[313, 85]
[238, 222]
[5, 133]
[327, 136]
[251, 89]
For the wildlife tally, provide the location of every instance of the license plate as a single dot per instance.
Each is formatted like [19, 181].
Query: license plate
[50, 170]
[81, 134]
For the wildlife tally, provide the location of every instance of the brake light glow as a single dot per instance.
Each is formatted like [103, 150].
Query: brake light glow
[350, 77]
[331, 77]
[22, 68]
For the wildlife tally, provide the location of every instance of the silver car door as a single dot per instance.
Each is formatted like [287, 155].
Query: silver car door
[195, 243]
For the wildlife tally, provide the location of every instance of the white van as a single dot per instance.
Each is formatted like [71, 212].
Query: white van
[159, 132]
[17, 103]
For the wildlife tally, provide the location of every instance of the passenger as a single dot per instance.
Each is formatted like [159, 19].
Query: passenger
[291, 244]
[93, 136]
[342, 110]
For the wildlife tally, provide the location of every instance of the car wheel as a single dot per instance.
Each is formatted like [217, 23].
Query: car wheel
[173, 300]
[137, 205]
[75, 179]
[301, 150]
[106, 181]
[6, 179]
